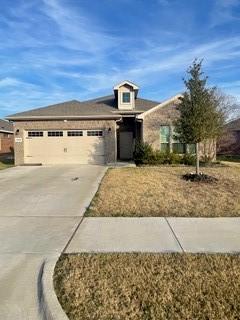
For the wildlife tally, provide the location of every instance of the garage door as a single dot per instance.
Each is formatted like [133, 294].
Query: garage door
[64, 147]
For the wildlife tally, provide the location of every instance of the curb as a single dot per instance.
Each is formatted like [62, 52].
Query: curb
[95, 188]
[49, 305]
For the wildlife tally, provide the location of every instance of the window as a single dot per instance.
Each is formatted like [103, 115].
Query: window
[191, 148]
[95, 133]
[55, 133]
[177, 146]
[164, 138]
[35, 134]
[169, 141]
[75, 133]
[126, 97]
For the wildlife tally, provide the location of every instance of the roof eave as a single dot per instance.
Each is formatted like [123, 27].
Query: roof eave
[159, 106]
[122, 83]
[88, 117]
[6, 131]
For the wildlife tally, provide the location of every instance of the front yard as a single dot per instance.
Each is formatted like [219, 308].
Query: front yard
[160, 191]
[149, 286]
[146, 286]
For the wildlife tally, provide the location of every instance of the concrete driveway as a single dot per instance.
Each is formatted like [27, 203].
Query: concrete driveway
[40, 209]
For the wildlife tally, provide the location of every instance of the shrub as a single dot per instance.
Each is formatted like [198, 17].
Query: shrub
[189, 159]
[145, 154]
[172, 158]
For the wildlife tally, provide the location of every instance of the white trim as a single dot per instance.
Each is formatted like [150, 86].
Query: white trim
[6, 131]
[123, 102]
[127, 112]
[161, 105]
[117, 86]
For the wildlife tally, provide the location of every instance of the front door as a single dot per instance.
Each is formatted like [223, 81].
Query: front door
[126, 145]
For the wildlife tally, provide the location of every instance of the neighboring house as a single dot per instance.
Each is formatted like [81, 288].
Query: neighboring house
[229, 144]
[97, 131]
[6, 137]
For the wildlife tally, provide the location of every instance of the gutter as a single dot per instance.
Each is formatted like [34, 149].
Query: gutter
[6, 131]
[21, 118]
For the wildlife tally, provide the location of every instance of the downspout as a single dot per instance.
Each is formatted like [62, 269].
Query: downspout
[141, 121]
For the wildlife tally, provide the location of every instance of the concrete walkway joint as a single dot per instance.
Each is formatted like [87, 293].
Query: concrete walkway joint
[174, 235]
[189, 235]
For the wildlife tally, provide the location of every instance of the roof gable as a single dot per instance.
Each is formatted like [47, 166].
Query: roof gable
[234, 124]
[126, 82]
[174, 99]
[6, 126]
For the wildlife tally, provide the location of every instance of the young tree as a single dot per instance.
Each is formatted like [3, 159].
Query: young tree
[201, 114]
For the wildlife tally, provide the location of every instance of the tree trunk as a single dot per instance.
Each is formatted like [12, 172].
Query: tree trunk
[197, 158]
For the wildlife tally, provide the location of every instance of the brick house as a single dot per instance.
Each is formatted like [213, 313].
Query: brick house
[6, 137]
[97, 131]
[229, 144]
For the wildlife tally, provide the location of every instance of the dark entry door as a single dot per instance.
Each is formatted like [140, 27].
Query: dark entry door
[126, 145]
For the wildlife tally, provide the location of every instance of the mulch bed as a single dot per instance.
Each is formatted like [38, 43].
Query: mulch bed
[201, 177]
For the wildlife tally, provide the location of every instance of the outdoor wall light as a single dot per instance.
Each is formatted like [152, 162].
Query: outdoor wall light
[17, 132]
[109, 129]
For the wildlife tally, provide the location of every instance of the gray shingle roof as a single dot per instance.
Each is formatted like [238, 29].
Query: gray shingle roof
[6, 126]
[104, 106]
[233, 125]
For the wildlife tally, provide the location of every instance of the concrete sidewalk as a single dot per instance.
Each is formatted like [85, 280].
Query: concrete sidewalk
[155, 234]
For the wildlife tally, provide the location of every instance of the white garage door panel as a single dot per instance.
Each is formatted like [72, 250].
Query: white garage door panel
[64, 150]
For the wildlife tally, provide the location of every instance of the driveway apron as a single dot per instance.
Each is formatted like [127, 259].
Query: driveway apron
[40, 209]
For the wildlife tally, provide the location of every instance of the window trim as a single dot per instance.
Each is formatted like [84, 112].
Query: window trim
[169, 133]
[53, 135]
[126, 92]
[39, 134]
[99, 133]
[72, 133]
[168, 143]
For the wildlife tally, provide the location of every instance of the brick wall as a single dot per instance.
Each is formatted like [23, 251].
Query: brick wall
[105, 125]
[152, 122]
[229, 143]
[6, 144]
[167, 115]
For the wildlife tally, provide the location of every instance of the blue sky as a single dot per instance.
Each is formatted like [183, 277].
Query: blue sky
[58, 50]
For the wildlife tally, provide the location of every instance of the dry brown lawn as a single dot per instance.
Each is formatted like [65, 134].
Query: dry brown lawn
[149, 286]
[160, 191]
